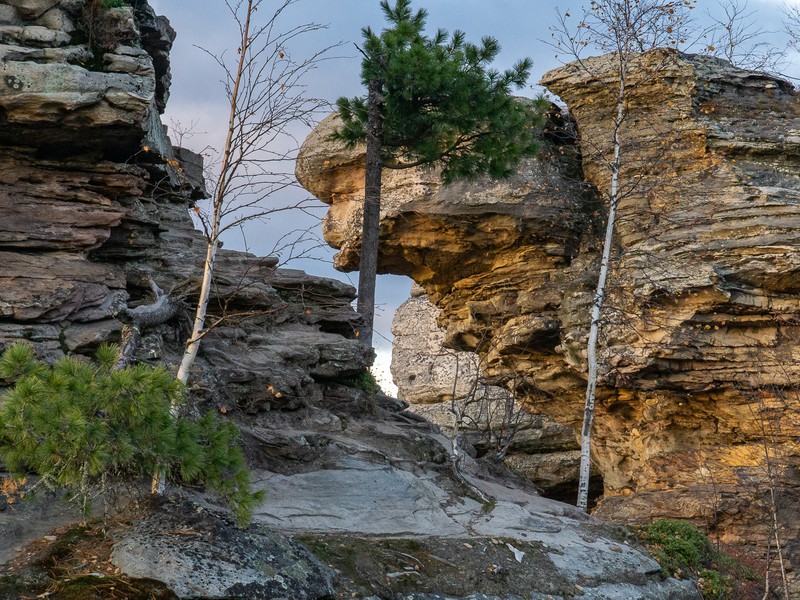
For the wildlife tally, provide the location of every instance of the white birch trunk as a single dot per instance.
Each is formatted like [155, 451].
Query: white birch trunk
[193, 344]
[597, 305]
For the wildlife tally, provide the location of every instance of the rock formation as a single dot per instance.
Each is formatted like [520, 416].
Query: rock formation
[95, 204]
[446, 386]
[95, 201]
[699, 341]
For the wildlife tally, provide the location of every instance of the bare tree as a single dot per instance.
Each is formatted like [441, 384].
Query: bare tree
[625, 29]
[266, 99]
[736, 36]
[791, 23]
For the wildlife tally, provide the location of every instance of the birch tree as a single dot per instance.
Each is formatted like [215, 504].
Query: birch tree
[266, 98]
[625, 29]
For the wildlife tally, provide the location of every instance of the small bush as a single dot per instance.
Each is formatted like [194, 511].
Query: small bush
[679, 546]
[684, 551]
[714, 585]
[364, 381]
[114, 3]
[77, 424]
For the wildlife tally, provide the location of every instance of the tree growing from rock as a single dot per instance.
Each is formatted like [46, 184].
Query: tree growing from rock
[266, 98]
[626, 30]
[430, 101]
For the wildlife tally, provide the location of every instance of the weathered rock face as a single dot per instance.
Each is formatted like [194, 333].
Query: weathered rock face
[446, 386]
[97, 204]
[699, 346]
[95, 201]
[490, 255]
[211, 559]
[700, 351]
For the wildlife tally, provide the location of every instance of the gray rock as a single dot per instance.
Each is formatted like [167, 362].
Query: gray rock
[9, 15]
[58, 19]
[25, 521]
[380, 480]
[356, 495]
[31, 9]
[199, 555]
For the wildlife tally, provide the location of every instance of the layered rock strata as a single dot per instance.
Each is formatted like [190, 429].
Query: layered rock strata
[699, 344]
[447, 387]
[98, 205]
[95, 202]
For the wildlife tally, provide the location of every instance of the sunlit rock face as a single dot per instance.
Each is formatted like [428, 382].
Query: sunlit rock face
[699, 348]
[490, 254]
[700, 351]
[448, 388]
[95, 201]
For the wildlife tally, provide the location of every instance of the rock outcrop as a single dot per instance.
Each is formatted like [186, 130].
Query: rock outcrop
[699, 341]
[375, 497]
[96, 205]
[446, 386]
[95, 202]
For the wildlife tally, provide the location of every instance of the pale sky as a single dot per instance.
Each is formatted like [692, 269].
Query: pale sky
[521, 26]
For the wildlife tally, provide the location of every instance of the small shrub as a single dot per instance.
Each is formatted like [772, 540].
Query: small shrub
[684, 551]
[114, 3]
[679, 546]
[714, 585]
[77, 424]
[364, 381]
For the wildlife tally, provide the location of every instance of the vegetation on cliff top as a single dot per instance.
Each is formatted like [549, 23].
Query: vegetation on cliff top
[430, 101]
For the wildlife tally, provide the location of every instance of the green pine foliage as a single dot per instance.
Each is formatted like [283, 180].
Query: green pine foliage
[78, 424]
[442, 103]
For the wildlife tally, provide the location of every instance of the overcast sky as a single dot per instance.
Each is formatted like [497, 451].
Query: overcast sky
[521, 27]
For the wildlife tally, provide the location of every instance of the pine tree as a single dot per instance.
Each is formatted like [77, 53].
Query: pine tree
[430, 101]
[79, 425]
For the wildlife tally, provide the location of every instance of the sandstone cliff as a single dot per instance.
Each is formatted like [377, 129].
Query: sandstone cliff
[448, 388]
[699, 346]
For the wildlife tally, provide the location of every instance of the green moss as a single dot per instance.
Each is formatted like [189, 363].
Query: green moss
[391, 567]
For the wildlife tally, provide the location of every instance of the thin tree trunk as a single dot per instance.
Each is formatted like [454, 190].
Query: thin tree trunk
[368, 267]
[597, 305]
[193, 344]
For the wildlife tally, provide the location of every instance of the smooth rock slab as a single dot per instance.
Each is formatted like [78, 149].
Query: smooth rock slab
[198, 555]
[356, 496]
